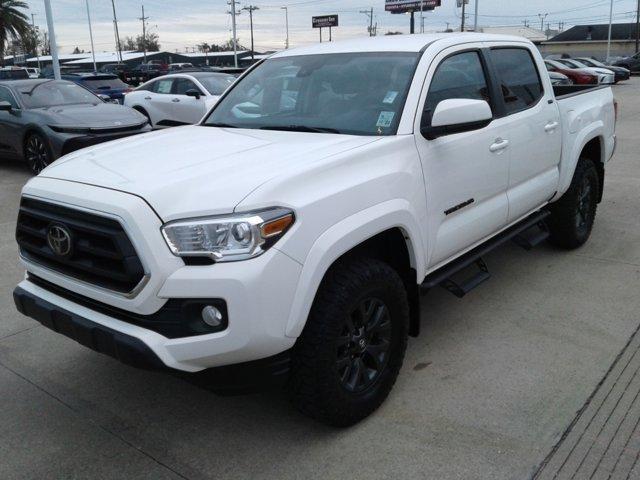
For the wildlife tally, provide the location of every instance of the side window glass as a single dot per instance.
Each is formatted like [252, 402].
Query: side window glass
[182, 85]
[519, 78]
[163, 86]
[6, 96]
[458, 76]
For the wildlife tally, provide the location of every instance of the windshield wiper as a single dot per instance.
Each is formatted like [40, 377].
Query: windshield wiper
[300, 128]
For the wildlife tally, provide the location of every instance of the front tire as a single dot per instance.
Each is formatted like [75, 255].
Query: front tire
[351, 350]
[573, 215]
[37, 153]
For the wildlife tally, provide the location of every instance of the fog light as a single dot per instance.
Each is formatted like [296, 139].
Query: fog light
[212, 316]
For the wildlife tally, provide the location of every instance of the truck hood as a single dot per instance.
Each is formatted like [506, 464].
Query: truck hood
[194, 170]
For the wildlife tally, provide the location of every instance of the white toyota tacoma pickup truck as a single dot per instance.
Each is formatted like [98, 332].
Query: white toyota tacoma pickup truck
[287, 237]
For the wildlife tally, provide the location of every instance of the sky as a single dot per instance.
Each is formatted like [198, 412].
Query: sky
[182, 24]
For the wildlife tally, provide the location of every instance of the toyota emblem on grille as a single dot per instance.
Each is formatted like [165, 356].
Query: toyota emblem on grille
[59, 240]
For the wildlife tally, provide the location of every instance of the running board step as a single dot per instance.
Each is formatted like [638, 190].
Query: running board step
[444, 276]
[460, 289]
[532, 237]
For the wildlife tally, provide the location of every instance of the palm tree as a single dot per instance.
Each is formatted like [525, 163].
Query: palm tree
[13, 22]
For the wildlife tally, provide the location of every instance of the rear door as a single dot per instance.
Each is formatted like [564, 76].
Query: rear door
[466, 174]
[159, 101]
[535, 135]
[186, 109]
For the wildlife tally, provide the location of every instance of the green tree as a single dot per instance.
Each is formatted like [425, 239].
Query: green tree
[13, 22]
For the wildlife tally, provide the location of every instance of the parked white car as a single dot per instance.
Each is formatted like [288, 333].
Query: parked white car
[178, 99]
[33, 72]
[289, 234]
[605, 76]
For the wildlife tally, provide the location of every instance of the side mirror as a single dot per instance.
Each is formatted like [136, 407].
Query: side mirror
[5, 107]
[104, 98]
[457, 115]
[193, 93]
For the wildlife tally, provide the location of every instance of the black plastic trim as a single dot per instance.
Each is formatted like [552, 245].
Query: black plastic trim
[178, 318]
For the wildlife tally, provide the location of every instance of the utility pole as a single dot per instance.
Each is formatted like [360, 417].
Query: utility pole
[475, 20]
[251, 9]
[286, 21]
[144, 34]
[542, 18]
[369, 14]
[115, 25]
[464, 4]
[35, 32]
[55, 63]
[93, 50]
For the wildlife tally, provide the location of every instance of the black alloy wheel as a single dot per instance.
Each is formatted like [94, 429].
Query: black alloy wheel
[363, 345]
[36, 153]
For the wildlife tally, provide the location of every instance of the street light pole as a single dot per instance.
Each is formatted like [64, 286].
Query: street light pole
[233, 27]
[286, 20]
[464, 3]
[55, 63]
[475, 21]
[93, 50]
[33, 23]
[609, 36]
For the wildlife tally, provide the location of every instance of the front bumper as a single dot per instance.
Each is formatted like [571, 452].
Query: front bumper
[132, 351]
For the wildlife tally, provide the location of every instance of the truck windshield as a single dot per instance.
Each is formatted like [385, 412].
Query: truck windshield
[350, 93]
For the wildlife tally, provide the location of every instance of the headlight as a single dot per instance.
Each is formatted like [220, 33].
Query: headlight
[229, 238]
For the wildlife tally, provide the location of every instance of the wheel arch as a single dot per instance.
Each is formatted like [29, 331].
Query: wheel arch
[388, 231]
[589, 144]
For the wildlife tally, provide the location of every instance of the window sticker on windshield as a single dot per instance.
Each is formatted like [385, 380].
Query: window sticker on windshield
[385, 119]
[390, 97]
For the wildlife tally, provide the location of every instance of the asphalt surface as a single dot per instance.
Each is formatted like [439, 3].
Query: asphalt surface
[487, 390]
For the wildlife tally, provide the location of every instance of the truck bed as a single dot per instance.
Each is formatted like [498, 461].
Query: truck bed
[564, 91]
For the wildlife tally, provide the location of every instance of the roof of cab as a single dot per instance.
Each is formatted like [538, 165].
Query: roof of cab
[396, 43]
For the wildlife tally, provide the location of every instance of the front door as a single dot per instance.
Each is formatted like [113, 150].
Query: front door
[187, 109]
[9, 125]
[466, 174]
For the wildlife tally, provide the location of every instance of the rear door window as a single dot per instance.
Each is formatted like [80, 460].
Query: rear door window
[518, 77]
[163, 86]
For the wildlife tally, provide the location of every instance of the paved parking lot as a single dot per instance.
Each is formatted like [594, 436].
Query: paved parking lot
[486, 392]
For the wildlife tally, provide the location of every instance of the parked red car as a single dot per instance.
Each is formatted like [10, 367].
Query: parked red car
[578, 77]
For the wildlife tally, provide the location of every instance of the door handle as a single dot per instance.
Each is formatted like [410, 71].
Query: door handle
[499, 145]
[147, 98]
[175, 100]
[550, 127]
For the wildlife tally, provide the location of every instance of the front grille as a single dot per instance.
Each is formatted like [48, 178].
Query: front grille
[101, 252]
[77, 143]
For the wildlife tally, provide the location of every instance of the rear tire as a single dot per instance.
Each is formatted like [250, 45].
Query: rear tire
[351, 350]
[573, 215]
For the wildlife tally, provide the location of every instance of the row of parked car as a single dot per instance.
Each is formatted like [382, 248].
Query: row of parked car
[43, 119]
[584, 71]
